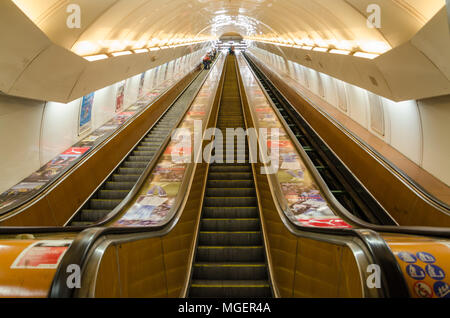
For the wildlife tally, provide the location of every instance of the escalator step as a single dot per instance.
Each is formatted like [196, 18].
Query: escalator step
[230, 271]
[230, 201]
[231, 168]
[93, 215]
[140, 158]
[230, 176]
[227, 224]
[230, 238]
[230, 192]
[125, 178]
[119, 185]
[230, 183]
[112, 194]
[99, 204]
[230, 254]
[230, 212]
[135, 164]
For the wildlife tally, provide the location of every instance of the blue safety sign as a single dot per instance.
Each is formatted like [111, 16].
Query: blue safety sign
[435, 272]
[441, 289]
[426, 257]
[407, 257]
[416, 272]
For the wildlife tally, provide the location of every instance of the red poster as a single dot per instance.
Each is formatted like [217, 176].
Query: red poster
[75, 151]
[325, 223]
[42, 254]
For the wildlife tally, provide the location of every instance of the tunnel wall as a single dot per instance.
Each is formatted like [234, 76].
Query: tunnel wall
[417, 129]
[33, 132]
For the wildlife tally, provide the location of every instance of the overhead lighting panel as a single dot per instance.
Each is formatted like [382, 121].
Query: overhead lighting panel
[98, 57]
[366, 55]
[121, 53]
[141, 51]
[341, 52]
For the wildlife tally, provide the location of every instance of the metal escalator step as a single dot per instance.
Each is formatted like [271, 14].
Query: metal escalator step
[230, 192]
[152, 148]
[135, 164]
[112, 194]
[230, 201]
[144, 153]
[230, 254]
[119, 185]
[125, 177]
[140, 158]
[228, 224]
[123, 170]
[230, 212]
[231, 168]
[230, 271]
[228, 238]
[230, 184]
[93, 215]
[101, 204]
[230, 176]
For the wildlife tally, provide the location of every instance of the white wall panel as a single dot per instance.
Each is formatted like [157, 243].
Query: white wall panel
[20, 123]
[435, 114]
[405, 128]
[59, 129]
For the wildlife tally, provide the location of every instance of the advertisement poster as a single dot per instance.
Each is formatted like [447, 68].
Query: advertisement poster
[86, 113]
[120, 96]
[42, 255]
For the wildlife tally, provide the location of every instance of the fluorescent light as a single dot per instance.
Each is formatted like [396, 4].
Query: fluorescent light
[164, 47]
[366, 55]
[121, 53]
[154, 49]
[305, 47]
[342, 52]
[93, 58]
[141, 51]
[320, 49]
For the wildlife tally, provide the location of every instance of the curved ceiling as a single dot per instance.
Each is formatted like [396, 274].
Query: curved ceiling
[116, 25]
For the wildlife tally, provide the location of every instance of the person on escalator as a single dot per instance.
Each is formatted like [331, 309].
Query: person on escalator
[206, 62]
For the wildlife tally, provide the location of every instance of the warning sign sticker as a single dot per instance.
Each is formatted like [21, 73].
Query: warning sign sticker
[41, 255]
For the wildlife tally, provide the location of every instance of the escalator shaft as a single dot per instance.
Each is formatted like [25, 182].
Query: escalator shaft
[230, 256]
[123, 179]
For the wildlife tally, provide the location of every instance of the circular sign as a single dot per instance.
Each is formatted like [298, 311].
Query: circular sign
[441, 289]
[435, 272]
[407, 257]
[426, 257]
[422, 290]
[415, 272]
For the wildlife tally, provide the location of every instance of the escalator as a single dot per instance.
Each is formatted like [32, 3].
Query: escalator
[342, 183]
[230, 256]
[119, 184]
